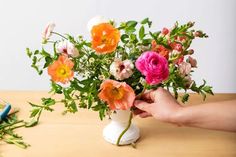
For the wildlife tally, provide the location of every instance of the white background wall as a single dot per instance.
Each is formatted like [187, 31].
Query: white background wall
[22, 21]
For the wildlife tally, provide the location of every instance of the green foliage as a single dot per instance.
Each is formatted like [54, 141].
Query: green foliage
[136, 38]
[7, 130]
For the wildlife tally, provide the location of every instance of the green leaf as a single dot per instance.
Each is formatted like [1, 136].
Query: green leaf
[208, 89]
[44, 53]
[102, 113]
[204, 83]
[90, 101]
[124, 38]
[28, 52]
[48, 61]
[32, 123]
[133, 38]
[48, 101]
[56, 88]
[141, 33]
[185, 97]
[34, 112]
[146, 21]
[73, 106]
[131, 23]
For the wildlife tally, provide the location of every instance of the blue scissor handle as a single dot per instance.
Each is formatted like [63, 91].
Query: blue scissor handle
[5, 111]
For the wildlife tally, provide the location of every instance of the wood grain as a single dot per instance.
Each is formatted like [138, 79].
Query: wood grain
[80, 134]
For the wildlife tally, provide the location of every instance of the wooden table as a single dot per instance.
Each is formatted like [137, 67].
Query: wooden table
[80, 134]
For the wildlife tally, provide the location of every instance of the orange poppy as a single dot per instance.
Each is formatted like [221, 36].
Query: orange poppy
[118, 95]
[104, 38]
[61, 69]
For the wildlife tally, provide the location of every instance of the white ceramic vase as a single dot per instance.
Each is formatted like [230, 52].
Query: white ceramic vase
[119, 122]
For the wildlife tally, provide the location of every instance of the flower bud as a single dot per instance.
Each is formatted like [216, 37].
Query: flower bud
[191, 51]
[190, 24]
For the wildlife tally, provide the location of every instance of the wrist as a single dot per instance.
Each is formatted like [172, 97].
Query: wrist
[178, 117]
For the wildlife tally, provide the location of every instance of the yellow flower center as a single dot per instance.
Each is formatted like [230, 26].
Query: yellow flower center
[63, 71]
[117, 93]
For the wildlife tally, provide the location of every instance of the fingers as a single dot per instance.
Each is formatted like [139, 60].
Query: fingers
[145, 115]
[142, 105]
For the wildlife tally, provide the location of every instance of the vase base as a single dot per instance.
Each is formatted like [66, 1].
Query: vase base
[113, 130]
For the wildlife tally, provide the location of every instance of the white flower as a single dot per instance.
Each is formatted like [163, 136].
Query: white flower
[121, 69]
[48, 31]
[95, 21]
[185, 68]
[68, 48]
[91, 60]
[101, 77]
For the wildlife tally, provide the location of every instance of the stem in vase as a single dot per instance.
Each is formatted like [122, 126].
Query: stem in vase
[124, 131]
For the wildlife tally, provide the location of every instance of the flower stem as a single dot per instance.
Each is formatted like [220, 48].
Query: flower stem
[59, 35]
[124, 131]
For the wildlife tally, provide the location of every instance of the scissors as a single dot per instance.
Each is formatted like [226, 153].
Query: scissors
[6, 109]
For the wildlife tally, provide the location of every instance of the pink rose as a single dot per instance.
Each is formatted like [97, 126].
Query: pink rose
[153, 66]
[48, 32]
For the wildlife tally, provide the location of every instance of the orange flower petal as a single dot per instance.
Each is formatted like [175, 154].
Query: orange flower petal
[61, 69]
[118, 95]
[104, 38]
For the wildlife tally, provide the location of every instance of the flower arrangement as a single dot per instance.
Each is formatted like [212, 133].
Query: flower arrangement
[119, 62]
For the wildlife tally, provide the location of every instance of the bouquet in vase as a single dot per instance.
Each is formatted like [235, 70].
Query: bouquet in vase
[118, 63]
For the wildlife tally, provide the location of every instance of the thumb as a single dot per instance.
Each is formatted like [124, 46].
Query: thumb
[142, 105]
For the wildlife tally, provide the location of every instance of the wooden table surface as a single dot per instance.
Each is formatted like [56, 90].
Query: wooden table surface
[80, 134]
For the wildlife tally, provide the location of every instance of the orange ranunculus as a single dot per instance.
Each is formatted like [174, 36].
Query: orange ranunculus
[118, 95]
[104, 38]
[61, 69]
[164, 52]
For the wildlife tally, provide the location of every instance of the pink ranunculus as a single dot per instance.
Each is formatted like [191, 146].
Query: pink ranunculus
[153, 66]
[48, 32]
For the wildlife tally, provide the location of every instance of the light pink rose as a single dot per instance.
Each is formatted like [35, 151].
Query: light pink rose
[184, 68]
[192, 61]
[67, 48]
[121, 69]
[153, 66]
[48, 32]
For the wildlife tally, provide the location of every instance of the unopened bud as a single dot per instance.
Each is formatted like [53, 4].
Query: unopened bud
[190, 24]
[191, 51]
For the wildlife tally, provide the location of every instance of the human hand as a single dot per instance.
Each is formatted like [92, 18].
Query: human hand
[158, 103]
